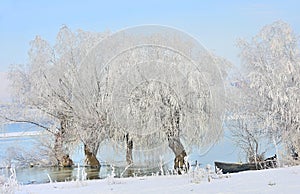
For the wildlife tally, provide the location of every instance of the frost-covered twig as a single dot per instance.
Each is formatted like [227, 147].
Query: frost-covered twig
[121, 175]
[9, 185]
[49, 178]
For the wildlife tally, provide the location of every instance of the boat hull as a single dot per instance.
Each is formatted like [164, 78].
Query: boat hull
[236, 167]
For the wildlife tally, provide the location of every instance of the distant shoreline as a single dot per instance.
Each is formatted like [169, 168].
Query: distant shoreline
[20, 134]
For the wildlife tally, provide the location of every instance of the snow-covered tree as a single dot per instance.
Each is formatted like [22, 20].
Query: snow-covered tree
[44, 89]
[272, 65]
[161, 90]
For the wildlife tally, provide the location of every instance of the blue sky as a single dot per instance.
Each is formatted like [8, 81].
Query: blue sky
[216, 24]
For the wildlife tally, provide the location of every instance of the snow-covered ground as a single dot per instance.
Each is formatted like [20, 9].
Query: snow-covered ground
[283, 180]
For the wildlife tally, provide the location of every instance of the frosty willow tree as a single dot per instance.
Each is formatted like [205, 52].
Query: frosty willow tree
[158, 89]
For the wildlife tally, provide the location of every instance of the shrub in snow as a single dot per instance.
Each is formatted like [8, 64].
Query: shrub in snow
[9, 185]
[198, 175]
[111, 178]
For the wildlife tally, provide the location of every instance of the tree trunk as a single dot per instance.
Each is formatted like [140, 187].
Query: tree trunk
[129, 149]
[90, 158]
[58, 148]
[178, 149]
[59, 142]
[66, 161]
[175, 144]
[61, 157]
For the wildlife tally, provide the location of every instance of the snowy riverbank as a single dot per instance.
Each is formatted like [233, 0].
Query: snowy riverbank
[283, 180]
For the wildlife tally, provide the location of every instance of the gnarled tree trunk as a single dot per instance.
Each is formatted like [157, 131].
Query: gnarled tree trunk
[180, 153]
[90, 158]
[58, 147]
[129, 144]
[62, 158]
[175, 144]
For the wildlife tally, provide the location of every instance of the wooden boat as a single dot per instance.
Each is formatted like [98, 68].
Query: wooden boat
[236, 167]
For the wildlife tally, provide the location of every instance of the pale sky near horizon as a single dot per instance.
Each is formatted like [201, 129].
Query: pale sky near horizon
[216, 24]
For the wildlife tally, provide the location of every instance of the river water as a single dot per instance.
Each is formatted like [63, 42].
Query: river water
[37, 175]
[11, 146]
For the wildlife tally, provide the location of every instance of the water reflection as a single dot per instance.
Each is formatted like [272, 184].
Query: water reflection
[93, 173]
[140, 171]
[61, 174]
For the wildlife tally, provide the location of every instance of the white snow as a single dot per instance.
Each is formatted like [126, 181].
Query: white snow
[282, 180]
